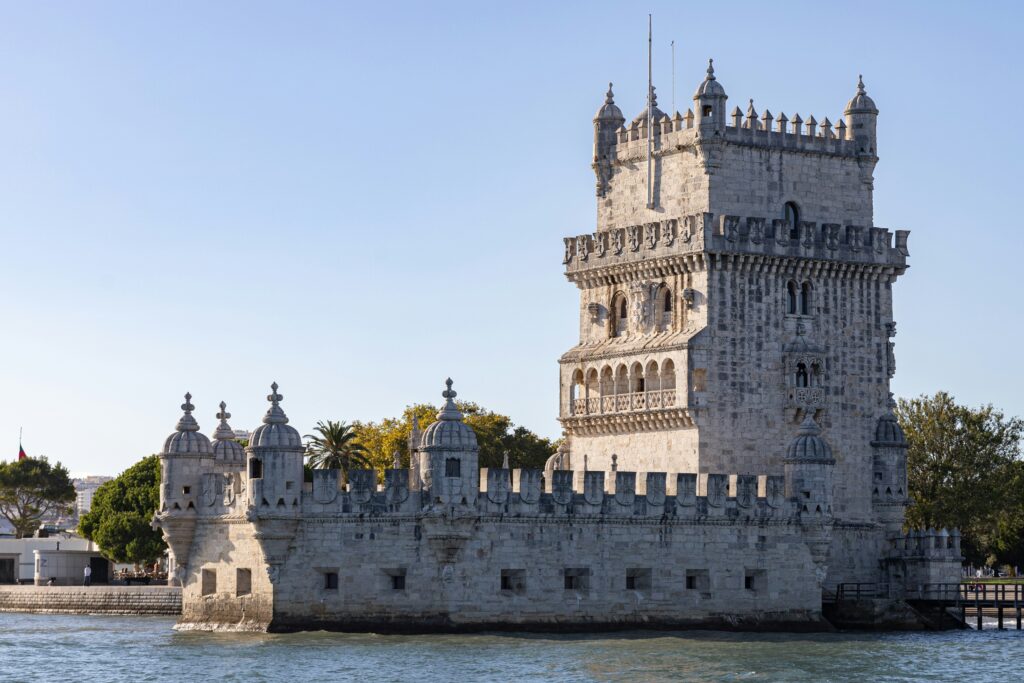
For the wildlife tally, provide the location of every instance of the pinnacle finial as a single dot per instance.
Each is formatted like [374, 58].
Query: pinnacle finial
[809, 427]
[504, 461]
[860, 85]
[187, 405]
[450, 411]
[615, 462]
[653, 96]
[448, 393]
[609, 97]
[711, 69]
[274, 397]
[223, 415]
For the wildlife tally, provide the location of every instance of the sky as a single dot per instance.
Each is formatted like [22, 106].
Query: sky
[358, 200]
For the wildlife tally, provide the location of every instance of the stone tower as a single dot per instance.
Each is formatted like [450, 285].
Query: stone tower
[754, 294]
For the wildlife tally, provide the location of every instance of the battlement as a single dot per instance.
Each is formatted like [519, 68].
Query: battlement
[723, 234]
[926, 543]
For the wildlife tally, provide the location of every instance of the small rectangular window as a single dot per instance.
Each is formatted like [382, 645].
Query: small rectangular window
[289, 485]
[209, 581]
[753, 580]
[243, 582]
[255, 468]
[330, 581]
[185, 490]
[700, 379]
[452, 467]
[576, 578]
[698, 580]
[398, 582]
[638, 579]
[513, 580]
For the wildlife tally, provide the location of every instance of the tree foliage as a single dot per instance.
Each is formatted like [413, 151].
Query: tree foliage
[965, 470]
[122, 509]
[31, 490]
[335, 446]
[496, 435]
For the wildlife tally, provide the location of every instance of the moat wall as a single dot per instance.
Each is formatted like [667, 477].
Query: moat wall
[134, 600]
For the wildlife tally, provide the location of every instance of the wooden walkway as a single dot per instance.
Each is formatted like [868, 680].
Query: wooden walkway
[1003, 602]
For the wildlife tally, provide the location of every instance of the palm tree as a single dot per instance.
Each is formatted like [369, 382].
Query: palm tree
[334, 447]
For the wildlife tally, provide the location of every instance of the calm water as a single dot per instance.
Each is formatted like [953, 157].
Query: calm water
[74, 649]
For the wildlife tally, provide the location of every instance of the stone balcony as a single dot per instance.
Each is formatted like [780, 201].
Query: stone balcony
[639, 410]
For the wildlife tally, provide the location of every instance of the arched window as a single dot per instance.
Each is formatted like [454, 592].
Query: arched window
[792, 215]
[663, 309]
[618, 315]
[621, 380]
[805, 298]
[791, 297]
[801, 375]
[668, 375]
[636, 378]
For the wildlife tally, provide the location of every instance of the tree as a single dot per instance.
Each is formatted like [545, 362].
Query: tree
[964, 469]
[32, 489]
[495, 433]
[335, 447]
[122, 509]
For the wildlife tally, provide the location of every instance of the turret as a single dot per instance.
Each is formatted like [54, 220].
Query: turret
[275, 458]
[889, 496]
[185, 457]
[228, 454]
[449, 467]
[709, 101]
[861, 118]
[607, 122]
[808, 467]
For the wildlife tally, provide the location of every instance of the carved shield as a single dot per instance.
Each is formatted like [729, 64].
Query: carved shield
[600, 243]
[634, 237]
[582, 248]
[651, 235]
[529, 486]
[228, 485]
[209, 488]
[625, 488]
[731, 226]
[746, 490]
[617, 241]
[668, 231]
[755, 228]
[561, 486]
[498, 486]
[325, 486]
[361, 485]
[781, 229]
[686, 490]
[593, 487]
[775, 491]
[854, 235]
[396, 486]
[656, 488]
[717, 487]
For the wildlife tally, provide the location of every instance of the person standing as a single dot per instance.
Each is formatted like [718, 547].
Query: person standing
[87, 573]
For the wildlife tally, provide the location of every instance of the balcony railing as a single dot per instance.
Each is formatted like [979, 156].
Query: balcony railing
[625, 403]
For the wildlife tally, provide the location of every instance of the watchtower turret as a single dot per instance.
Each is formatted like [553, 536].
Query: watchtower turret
[449, 466]
[607, 122]
[709, 101]
[275, 456]
[808, 468]
[889, 496]
[861, 119]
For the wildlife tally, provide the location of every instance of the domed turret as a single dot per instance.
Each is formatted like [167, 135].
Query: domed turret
[449, 432]
[710, 87]
[607, 122]
[861, 102]
[889, 494]
[861, 118]
[187, 440]
[225, 448]
[656, 113]
[710, 100]
[609, 111]
[888, 431]
[275, 432]
[808, 446]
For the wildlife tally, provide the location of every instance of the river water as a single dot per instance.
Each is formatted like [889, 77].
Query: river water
[75, 649]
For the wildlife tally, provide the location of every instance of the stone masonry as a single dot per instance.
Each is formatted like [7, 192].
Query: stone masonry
[731, 451]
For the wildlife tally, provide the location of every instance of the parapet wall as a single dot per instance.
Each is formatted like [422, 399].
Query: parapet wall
[706, 232]
[132, 600]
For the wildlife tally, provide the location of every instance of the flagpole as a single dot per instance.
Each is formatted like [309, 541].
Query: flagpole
[673, 113]
[650, 115]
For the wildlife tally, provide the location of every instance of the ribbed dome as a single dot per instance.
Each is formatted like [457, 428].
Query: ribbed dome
[861, 102]
[608, 111]
[187, 440]
[275, 432]
[808, 446]
[710, 87]
[449, 432]
[888, 431]
[224, 445]
[656, 113]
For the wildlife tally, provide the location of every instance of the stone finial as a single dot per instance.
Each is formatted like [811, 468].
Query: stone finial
[711, 69]
[811, 125]
[449, 411]
[860, 85]
[396, 461]
[609, 97]
[782, 121]
[615, 462]
[751, 121]
[223, 431]
[737, 115]
[275, 415]
[187, 423]
[504, 461]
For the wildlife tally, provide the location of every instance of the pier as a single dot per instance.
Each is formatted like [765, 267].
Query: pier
[970, 602]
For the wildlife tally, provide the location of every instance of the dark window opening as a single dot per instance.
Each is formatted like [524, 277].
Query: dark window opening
[185, 490]
[513, 580]
[668, 302]
[791, 297]
[805, 298]
[243, 582]
[622, 309]
[255, 468]
[331, 581]
[209, 581]
[792, 216]
[638, 579]
[707, 110]
[398, 582]
[801, 375]
[452, 467]
[576, 579]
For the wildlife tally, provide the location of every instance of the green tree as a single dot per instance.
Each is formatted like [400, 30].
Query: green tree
[31, 490]
[496, 435]
[335, 446]
[964, 470]
[122, 509]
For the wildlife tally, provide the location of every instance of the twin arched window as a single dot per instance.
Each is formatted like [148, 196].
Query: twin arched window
[798, 298]
[619, 315]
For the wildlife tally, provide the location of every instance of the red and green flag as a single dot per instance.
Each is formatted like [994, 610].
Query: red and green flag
[21, 452]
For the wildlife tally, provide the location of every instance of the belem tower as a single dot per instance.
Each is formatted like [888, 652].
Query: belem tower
[730, 454]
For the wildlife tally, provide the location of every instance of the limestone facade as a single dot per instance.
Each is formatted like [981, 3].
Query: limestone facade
[730, 452]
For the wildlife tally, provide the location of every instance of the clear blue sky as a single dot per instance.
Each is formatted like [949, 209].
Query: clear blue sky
[360, 199]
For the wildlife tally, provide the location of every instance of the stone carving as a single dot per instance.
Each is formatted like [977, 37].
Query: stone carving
[568, 250]
[228, 485]
[325, 486]
[625, 488]
[807, 234]
[593, 487]
[831, 233]
[498, 486]
[686, 490]
[855, 236]
[638, 305]
[634, 237]
[755, 230]
[689, 227]
[594, 309]
[651, 235]
[600, 244]
[782, 230]
[361, 484]
[396, 486]
[688, 296]
[775, 491]
[561, 486]
[656, 488]
[529, 486]
[668, 231]
[582, 248]
[617, 245]
[746, 490]
[718, 487]
[209, 492]
[731, 227]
